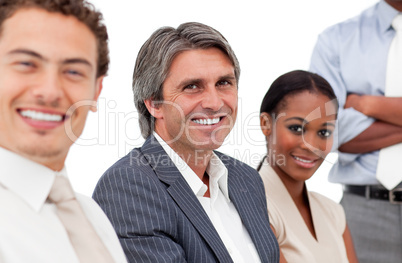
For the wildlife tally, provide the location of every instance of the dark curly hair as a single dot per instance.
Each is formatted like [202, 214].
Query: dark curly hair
[80, 9]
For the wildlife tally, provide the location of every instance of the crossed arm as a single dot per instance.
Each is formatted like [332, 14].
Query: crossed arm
[387, 129]
[384, 132]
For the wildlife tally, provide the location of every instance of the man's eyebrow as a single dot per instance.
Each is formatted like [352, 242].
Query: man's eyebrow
[37, 55]
[77, 61]
[189, 81]
[26, 52]
[228, 76]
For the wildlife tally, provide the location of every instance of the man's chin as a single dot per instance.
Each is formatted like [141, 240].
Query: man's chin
[37, 152]
[207, 142]
[207, 146]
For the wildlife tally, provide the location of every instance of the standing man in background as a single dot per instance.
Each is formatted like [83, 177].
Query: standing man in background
[362, 60]
[176, 199]
[53, 57]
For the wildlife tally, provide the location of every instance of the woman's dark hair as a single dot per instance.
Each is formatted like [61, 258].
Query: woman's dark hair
[292, 83]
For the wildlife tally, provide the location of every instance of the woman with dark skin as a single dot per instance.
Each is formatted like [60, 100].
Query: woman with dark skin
[298, 116]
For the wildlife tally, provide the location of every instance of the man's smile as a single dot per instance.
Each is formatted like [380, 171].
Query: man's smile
[42, 116]
[207, 121]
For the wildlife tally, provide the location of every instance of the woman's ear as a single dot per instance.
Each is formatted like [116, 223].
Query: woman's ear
[266, 123]
[153, 108]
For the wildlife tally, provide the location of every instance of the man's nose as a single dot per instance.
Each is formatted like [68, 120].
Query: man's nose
[48, 89]
[212, 99]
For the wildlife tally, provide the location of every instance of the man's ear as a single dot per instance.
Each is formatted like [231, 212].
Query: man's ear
[153, 108]
[266, 123]
[98, 89]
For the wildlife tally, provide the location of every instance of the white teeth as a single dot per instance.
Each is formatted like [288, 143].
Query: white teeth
[40, 116]
[302, 160]
[207, 121]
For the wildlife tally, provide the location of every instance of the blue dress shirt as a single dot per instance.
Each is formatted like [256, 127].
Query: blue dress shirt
[352, 57]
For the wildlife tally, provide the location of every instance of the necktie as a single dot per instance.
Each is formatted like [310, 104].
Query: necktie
[87, 244]
[389, 169]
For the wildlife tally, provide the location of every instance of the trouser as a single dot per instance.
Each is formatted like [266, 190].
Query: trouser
[376, 227]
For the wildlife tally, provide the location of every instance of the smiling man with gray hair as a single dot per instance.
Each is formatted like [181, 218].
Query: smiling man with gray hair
[176, 199]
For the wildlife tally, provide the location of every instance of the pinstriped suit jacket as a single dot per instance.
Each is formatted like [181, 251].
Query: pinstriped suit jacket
[159, 219]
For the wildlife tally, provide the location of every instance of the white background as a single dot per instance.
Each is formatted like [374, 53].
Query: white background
[269, 38]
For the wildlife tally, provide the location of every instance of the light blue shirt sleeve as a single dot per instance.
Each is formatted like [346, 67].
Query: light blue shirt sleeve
[352, 57]
[325, 61]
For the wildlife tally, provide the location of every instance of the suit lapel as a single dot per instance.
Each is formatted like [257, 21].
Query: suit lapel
[184, 197]
[243, 197]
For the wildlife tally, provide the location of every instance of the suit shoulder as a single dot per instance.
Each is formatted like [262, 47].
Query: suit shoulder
[132, 168]
[133, 158]
[134, 161]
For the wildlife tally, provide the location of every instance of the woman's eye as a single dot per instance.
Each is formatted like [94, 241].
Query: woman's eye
[325, 133]
[296, 128]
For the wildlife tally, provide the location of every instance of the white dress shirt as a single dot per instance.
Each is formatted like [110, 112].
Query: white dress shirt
[218, 206]
[30, 230]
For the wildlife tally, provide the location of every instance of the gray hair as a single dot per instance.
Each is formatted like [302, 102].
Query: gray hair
[157, 54]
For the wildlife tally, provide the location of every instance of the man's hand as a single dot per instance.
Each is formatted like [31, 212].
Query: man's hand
[386, 109]
[354, 101]
[386, 131]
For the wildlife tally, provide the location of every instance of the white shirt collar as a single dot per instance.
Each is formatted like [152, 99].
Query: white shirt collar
[27, 179]
[216, 170]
